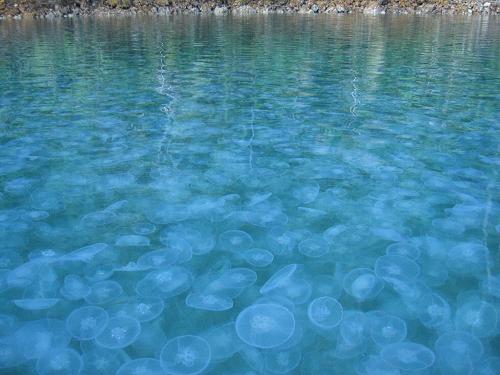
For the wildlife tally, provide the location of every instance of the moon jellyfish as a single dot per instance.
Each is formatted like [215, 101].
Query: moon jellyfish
[395, 266]
[132, 240]
[60, 362]
[11, 354]
[307, 192]
[406, 249]
[238, 278]
[86, 254]
[489, 366]
[38, 337]
[176, 244]
[104, 292]
[144, 229]
[210, 302]
[326, 285]
[408, 356]
[477, 317]
[287, 282]
[45, 255]
[434, 310]
[200, 237]
[74, 288]
[374, 365]
[120, 332]
[353, 328]
[144, 309]
[325, 312]
[223, 341]
[166, 283]
[36, 303]
[85, 323]
[141, 366]
[362, 284]
[98, 360]
[458, 352]
[330, 234]
[166, 213]
[258, 257]
[282, 361]
[468, 258]
[386, 329]
[185, 355]
[314, 247]
[265, 326]
[235, 241]
[158, 258]
[266, 215]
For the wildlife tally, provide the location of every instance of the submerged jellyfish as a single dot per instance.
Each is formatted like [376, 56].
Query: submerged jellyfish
[386, 329]
[406, 249]
[396, 266]
[307, 192]
[103, 292]
[86, 254]
[238, 278]
[325, 312]
[477, 317]
[132, 240]
[11, 354]
[85, 323]
[434, 310]
[374, 365]
[158, 258]
[362, 284]
[489, 366]
[119, 332]
[223, 341]
[36, 303]
[265, 325]
[235, 241]
[74, 288]
[258, 257]
[408, 356]
[141, 366]
[210, 302]
[177, 244]
[468, 258]
[353, 328]
[287, 282]
[97, 360]
[282, 361]
[314, 247]
[199, 237]
[144, 309]
[166, 283]
[457, 352]
[60, 361]
[185, 355]
[36, 338]
[144, 229]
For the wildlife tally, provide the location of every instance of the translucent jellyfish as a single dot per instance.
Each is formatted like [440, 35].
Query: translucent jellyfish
[198, 235]
[411, 291]
[449, 226]
[362, 284]
[458, 352]
[25, 274]
[235, 241]
[45, 255]
[238, 278]
[353, 328]
[282, 361]
[345, 349]
[141, 366]
[60, 361]
[374, 365]
[104, 292]
[38, 337]
[87, 253]
[132, 240]
[223, 341]
[210, 302]
[144, 309]
[74, 288]
[37, 215]
[282, 241]
[158, 258]
[266, 215]
[177, 244]
[97, 360]
[120, 332]
[11, 354]
[85, 323]
[165, 283]
[330, 235]
[326, 285]
[489, 366]
[287, 282]
[386, 329]
[98, 271]
[258, 257]
[280, 278]
[265, 325]
[36, 303]
[47, 201]
[407, 249]
[144, 229]
[408, 356]
[433, 273]
[325, 312]
[314, 247]
[468, 258]
[434, 311]
[162, 213]
[396, 266]
[307, 192]
[185, 355]
[477, 317]
[253, 358]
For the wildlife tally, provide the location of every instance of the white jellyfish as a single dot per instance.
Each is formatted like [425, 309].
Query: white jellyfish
[198, 235]
[36, 303]
[158, 258]
[74, 288]
[306, 192]
[235, 241]
[468, 258]
[386, 329]
[119, 332]
[325, 312]
[104, 292]
[60, 361]
[477, 317]
[282, 361]
[314, 247]
[209, 302]
[258, 257]
[408, 356]
[265, 325]
[132, 240]
[458, 352]
[396, 266]
[98, 360]
[85, 323]
[165, 283]
[434, 311]
[362, 284]
[185, 355]
[288, 282]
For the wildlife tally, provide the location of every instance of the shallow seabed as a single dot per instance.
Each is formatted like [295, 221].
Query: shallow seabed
[259, 195]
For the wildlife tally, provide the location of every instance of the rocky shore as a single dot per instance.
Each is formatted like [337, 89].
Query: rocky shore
[71, 8]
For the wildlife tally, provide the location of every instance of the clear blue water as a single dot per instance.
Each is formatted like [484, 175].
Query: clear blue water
[262, 195]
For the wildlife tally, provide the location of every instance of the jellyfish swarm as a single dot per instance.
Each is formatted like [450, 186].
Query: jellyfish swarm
[120, 332]
[408, 356]
[265, 326]
[60, 361]
[85, 323]
[362, 284]
[185, 355]
[325, 312]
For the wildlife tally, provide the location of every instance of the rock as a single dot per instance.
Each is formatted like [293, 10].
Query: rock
[340, 9]
[244, 10]
[315, 8]
[221, 10]
[487, 4]
[374, 8]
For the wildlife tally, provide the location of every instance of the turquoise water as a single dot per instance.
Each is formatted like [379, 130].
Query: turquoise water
[261, 195]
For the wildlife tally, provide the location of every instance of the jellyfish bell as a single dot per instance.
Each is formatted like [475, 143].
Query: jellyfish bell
[158, 258]
[354, 328]
[177, 244]
[104, 292]
[144, 309]
[141, 366]
[477, 317]
[223, 341]
[235, 241]
[282, 361]
[132, 240]
[165, 283]
[434, 311]
[331, 234]
[468, 258]
[408, 356]
[144, 229]
[198, 235]
[314, 247]
[98, 360]
[209, 302]
[119, 332]
[386, 329]
[325, 312]
[238, 278]
[34, 304]
[60, 361]
[11, 354]
[396, 266]
[458, 352]
[86, 254]
[258, 257]
[306, 192]
[185, 355]
[85, 323]
[362, 284]
[265, 326]
[375, 365]
[74, 288]
[45, 255]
